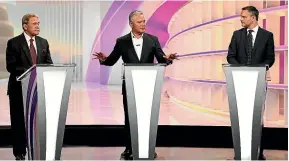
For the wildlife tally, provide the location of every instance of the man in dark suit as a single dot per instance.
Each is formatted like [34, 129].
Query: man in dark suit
[135, 47]
[252, 45]
[22, 52]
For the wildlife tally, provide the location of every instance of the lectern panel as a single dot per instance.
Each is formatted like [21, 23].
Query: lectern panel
[246, 87]
[143, 84]
[53, 96]
[143, 90]
[245, 84]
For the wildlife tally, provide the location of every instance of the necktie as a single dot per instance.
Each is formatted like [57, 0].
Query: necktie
[33, 52]
[250, 47]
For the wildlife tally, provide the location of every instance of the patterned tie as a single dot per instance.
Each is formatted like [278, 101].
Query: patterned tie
[250, 47]
[33, 52]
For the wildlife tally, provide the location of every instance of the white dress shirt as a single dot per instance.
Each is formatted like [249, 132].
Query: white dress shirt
[137, 44]
[28, 41]
[254, 34]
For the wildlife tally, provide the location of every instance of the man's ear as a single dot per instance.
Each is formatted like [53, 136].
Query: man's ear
[24, 27]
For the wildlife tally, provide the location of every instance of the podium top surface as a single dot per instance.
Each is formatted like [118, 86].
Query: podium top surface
[55, 65]
[43, 65]
[244, 65]
[144, 64]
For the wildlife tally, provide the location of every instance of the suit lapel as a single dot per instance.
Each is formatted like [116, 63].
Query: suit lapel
[144, 47]
[38, 45]
[245, 37]
[131, 47]
[26, 49]
[257, 40]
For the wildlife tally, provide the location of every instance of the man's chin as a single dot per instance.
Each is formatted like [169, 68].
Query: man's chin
[36, 33]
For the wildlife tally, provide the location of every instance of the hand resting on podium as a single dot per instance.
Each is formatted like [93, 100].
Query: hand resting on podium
[268, 76]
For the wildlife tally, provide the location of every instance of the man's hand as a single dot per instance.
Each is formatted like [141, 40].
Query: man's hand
[99, 55]
[268, 76]
[171, 57]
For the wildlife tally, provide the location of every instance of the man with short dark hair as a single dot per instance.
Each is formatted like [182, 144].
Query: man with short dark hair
[252, 45]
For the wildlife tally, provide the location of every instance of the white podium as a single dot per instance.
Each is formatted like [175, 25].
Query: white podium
[143, 90]
[246, 87]
[46, 90]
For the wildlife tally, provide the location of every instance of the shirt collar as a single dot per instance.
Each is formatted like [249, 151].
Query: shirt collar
[133, 37]
[27, 37]
[255, 29]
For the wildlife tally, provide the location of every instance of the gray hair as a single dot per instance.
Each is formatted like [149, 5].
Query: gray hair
[134, 13]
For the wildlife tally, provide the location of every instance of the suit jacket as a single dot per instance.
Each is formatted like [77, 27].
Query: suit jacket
[263, 51]
[124, 48]
[18, 58]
